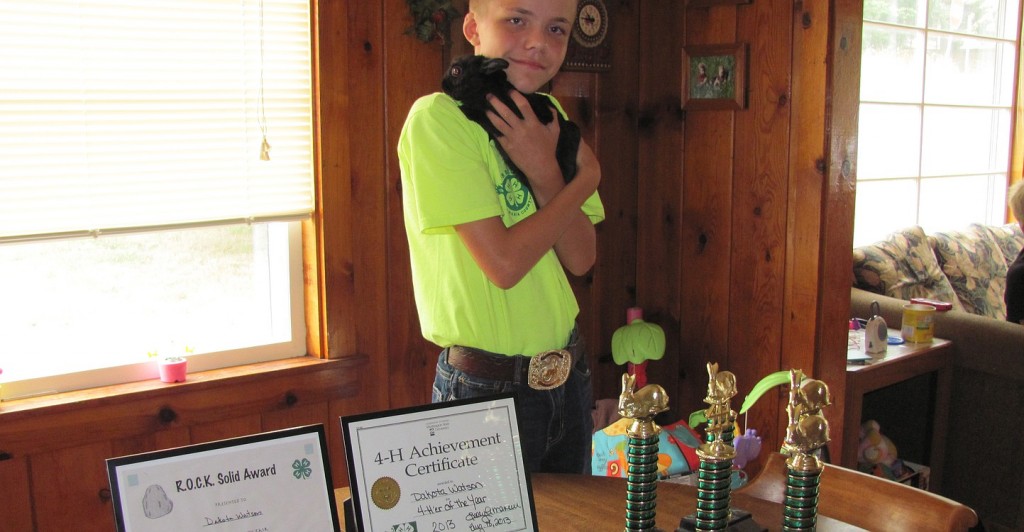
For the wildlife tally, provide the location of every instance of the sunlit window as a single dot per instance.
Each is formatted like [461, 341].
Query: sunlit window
[934, 135]
[157, 157]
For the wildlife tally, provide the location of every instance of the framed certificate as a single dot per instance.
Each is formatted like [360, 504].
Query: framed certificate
[454, 466]
[276, 480]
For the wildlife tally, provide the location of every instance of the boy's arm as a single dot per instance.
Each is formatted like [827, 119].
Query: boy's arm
[577, 248]
[507, 254]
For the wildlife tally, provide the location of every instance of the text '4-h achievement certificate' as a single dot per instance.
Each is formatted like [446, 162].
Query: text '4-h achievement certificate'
[272, 482]
[453, 466]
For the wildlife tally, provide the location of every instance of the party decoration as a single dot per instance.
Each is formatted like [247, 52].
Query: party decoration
[637, 342]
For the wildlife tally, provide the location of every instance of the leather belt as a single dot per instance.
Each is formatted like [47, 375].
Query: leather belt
[542, 371]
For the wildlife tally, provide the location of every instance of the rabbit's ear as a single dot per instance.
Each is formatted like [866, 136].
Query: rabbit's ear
[627, 382]
[493, 65]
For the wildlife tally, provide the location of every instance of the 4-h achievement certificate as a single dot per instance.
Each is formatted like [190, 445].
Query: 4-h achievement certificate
[453, 466]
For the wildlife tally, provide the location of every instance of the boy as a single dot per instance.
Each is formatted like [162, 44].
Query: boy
[488, 257]
[1014, 294]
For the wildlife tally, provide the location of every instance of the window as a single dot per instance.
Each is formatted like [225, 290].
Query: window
[157, 156]
[937, 82]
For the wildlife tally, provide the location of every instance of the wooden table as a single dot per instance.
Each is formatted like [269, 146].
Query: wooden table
[898, 364]
[589, 503]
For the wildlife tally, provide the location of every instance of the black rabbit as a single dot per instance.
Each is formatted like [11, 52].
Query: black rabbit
[470, 78]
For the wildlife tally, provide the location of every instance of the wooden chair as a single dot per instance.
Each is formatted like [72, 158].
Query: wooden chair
[867, 501]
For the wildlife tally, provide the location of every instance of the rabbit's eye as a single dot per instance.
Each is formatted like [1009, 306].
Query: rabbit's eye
[456, 71]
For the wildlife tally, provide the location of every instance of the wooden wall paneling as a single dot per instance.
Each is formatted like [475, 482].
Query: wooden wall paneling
[579, 94]
[70, 489]
[226, 428]
[153, 441]
[705, 221]
[616, 147]
[659, 197]
[807, 183]
[844, 54]
[413, 69]
[368, 224]
[16, 508]
[336, 410]
[298, 416]
[334, 215]
[760, 199]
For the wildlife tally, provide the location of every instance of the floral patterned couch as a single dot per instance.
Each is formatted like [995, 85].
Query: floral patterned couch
[966, 268]
[984, 466]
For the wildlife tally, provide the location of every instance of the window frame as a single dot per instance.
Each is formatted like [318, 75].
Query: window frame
[1015, 146]
[306, 289]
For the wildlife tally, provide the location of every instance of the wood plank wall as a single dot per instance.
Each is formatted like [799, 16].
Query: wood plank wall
[731, 229]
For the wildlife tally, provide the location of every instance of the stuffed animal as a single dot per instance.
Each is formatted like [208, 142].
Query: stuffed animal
[471, 78]
[876, 453]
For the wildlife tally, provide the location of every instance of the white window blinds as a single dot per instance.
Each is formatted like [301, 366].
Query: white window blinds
[120, 115]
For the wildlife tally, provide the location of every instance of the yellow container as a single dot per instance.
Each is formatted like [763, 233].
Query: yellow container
[918, 323]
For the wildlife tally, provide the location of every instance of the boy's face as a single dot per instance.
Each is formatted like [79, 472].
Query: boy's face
[532, 35]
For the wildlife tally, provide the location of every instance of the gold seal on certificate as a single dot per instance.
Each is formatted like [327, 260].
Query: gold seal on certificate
[385, 493]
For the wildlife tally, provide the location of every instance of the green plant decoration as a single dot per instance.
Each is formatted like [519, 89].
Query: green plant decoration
[431, 19]
[637, 342]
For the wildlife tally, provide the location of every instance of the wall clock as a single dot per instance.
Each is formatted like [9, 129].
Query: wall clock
[589, 45]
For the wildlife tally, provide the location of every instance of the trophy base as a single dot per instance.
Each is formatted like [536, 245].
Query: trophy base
[739, 521]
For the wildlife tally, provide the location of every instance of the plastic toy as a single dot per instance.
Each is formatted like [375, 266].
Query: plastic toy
[637, 342]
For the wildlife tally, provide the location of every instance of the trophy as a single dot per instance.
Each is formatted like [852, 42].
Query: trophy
[642, 451]
[806, 433]
[716, 457]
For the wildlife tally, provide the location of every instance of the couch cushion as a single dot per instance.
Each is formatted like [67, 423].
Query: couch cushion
[902, 266]
[1009, 238]
[974, 265]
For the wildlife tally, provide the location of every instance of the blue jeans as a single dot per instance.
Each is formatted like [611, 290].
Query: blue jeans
[555, 425]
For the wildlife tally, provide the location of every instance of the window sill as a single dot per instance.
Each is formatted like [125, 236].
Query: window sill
[138, 408]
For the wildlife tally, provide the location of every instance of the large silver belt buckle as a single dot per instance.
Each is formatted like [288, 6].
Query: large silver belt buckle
[549, 369]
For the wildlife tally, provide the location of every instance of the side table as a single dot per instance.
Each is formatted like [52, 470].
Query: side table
[901, 363]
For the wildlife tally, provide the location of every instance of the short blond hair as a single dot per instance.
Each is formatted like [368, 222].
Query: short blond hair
[1015, 199]
[475, 5]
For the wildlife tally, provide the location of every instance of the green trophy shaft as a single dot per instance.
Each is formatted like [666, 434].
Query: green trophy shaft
[713, 494]
[641, 483]
[800, 510]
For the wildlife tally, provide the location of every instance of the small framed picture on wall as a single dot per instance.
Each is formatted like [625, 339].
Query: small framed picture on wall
[714, 77]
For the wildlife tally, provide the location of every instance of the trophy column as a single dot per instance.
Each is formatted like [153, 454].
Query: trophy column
[714, 481]
[642, 451]
[806, 433]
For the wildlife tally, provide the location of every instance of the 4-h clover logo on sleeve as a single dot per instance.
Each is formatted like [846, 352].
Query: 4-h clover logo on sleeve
[301, 468]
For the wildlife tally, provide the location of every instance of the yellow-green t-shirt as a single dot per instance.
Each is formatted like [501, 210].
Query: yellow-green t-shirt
[452, 174]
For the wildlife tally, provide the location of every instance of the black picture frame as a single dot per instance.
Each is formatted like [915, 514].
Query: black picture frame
[178, 457]
[414, 424]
